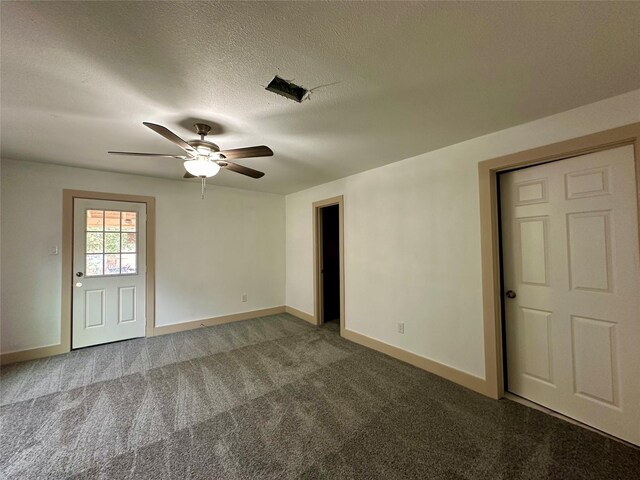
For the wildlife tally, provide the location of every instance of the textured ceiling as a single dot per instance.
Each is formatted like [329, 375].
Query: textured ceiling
[395, 79]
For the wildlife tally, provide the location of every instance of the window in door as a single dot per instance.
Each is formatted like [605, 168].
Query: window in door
[111, 243]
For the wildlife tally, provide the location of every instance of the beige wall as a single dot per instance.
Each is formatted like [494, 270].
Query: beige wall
[208, 252]
[412, 238]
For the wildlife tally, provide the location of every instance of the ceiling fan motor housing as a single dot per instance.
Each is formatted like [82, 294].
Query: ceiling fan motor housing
[202, 128]
[203, 143]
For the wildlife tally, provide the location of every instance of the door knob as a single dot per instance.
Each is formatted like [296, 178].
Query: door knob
[510, 294]
[79, 274]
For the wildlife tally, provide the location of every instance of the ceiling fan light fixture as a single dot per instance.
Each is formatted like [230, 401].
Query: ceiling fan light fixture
[202, 167]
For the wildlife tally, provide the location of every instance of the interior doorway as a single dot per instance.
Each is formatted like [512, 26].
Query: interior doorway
[329, 262]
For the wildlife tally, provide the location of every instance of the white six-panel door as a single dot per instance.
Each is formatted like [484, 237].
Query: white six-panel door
[109, 266]
[571, 257]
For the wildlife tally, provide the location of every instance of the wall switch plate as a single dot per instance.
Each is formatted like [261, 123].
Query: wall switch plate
[54, 250]
[400, 327]
[244, 297]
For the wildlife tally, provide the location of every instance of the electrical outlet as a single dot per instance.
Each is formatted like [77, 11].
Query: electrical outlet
[244, 297]
[400, 327]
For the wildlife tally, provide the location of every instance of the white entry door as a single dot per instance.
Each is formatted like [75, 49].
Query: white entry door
[572, 282]
[109, 265]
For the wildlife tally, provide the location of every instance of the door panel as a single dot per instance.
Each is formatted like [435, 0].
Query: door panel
[570, 253]
[109, 265]
[588, 183]
[532, 239]
[538, 359]
[94, 308]
[127, 304]
[594, 358]
[589, 242]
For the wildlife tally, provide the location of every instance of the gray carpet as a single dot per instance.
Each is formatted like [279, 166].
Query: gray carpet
[275, 398]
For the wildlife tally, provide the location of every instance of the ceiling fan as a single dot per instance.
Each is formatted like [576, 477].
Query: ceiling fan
[203, 158]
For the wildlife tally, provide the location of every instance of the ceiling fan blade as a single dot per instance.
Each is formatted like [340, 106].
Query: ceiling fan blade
[246, 152]
[140, 154]
[188, 175]
[172, 137]
[249, 172]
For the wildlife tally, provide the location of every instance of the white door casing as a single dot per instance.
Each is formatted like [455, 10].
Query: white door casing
[109, 251]
[571, 255]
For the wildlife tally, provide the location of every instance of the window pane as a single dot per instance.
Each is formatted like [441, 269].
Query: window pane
[112, 242]
[128, 242]
[129, 263]
[112, 221]
[93, 265]
[94, 242]
[112, 264]
[129, 221]
[94, 220]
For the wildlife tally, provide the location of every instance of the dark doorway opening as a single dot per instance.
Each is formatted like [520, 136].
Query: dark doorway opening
[330, 263]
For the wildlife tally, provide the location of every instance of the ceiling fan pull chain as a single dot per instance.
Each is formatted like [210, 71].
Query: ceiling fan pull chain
[204, 181]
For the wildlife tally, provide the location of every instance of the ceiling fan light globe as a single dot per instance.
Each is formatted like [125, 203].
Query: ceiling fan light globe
[202, 168]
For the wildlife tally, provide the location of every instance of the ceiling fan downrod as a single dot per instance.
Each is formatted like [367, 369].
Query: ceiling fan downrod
[202, 129]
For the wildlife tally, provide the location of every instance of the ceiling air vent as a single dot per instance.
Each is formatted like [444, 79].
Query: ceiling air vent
[287, 89]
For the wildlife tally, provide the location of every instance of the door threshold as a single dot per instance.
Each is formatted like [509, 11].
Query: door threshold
[75, 349]
[541, 408]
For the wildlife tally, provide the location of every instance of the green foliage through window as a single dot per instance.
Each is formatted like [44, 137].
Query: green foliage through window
[111, 243]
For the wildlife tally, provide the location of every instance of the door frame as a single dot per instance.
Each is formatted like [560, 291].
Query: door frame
[489, 228]
[317, 252]
[68, 197]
